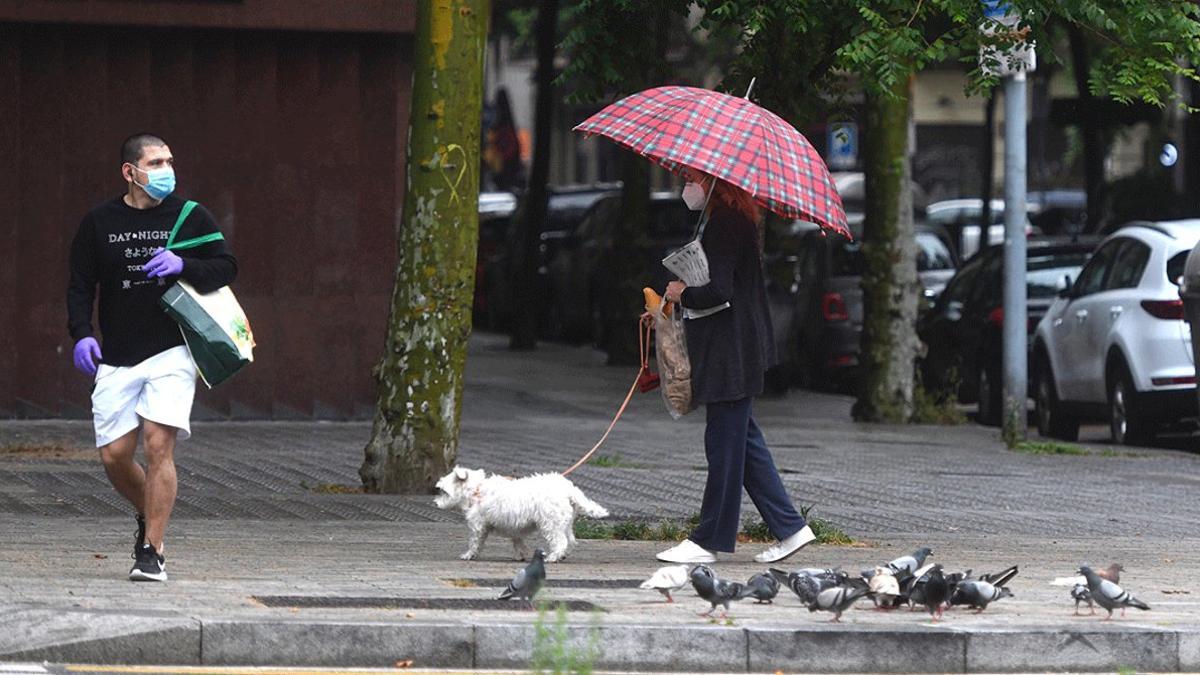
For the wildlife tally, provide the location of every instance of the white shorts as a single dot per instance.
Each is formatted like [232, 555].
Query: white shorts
[159, 389]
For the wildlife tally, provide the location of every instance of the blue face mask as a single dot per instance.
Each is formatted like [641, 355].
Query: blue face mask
[159, 182]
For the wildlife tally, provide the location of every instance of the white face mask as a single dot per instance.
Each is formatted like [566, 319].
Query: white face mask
[693, 195]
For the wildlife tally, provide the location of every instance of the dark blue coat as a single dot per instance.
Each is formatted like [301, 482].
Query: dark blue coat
[731, 349]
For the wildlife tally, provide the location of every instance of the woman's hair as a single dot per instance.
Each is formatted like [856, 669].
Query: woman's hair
[737, 199]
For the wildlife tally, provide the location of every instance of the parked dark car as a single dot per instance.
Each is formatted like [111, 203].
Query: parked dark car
[817, 304]
[566, 206]
[964, 330]
[495, 217]
[580, 278]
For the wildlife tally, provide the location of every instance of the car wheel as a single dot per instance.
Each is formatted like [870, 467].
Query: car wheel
[988, 395]
[1052, 421]
[1126, 422]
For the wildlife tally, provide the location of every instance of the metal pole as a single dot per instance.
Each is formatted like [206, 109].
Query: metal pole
[1015, 313]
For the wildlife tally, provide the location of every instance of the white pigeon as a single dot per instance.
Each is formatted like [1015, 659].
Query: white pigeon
[884, 586]
[667, 579]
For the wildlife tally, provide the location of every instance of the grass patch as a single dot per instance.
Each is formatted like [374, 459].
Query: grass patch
[933, 407]
[611, 462]
[753, 531]
[1050, 448]
[553, 649]
[333, 488]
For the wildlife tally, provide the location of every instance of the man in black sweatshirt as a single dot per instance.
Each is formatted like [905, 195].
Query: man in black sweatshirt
[144, 376]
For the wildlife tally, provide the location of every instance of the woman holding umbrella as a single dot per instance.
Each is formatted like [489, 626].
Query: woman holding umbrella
[745, 158]
[729, 352]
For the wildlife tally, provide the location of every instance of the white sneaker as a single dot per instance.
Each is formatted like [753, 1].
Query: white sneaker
[687, 551]
[787, 547]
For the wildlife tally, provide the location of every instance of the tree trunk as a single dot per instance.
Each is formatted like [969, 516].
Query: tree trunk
[526, 300]
[1091, 135]
[623, 273]
[889, 337]
[420, 378]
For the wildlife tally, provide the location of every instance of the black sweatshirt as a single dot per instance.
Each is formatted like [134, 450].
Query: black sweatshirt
[114, 242]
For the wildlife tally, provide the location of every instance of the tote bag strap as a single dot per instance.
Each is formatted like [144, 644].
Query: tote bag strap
[189, 243]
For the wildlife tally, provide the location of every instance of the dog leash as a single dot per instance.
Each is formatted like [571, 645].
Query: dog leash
[644, 327]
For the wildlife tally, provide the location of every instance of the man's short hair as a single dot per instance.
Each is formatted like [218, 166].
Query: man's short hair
[131, 149]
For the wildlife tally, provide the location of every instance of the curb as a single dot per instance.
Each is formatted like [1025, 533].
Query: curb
[147, 639]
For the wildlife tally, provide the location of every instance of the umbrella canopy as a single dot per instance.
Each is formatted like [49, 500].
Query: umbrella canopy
[730, 138]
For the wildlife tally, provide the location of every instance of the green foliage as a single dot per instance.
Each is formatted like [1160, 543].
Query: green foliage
[553, 651]
[1049, 448]
[826, 532]
[611, 462]
[936, 407]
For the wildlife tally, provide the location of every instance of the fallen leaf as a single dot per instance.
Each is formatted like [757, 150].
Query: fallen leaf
[410, 615]
[99, 556]
[406, 663]
[1176, 592]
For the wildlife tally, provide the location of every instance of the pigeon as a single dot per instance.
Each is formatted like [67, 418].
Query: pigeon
[1109, 595]
[885, 589]
[715, 591]
[808, 583]
[528, 580]
[935, 591]
[978, 594]
[837, 600]
[912, 589]
[667, 579]
[905, 566]
[999, 579]
[1080, 593]
[763, 588]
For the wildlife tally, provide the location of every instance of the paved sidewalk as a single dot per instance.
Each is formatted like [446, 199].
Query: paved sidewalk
[248, 526]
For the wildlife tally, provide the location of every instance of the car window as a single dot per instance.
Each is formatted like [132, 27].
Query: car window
[988, 288]
[810, 256]
[671, 219]
[846, 258]
[960, 285]
[563, 211]
[1128, 267]
[932, 253]
[1091, 279]
[1045, 276]
[1175, 266]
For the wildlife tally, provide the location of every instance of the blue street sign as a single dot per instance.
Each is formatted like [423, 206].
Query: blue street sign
[843, 145]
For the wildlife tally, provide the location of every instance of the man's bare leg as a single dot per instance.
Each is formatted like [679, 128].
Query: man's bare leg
[126, 475]
[161, 483]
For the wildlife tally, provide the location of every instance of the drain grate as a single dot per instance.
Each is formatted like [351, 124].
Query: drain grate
[344, 602]
[486, 582]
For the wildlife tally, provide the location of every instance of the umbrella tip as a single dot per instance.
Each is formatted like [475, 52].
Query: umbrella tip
[751, 87]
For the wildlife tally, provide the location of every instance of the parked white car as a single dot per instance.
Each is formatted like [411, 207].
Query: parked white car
[1115, 345]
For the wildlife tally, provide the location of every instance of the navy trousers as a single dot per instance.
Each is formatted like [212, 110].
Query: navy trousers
[738, 456]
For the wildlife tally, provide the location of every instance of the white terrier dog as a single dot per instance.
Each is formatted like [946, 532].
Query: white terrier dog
[544, 503]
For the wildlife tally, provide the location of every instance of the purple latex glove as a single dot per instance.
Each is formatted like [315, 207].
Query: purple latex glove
[87, 355]
[164, 264]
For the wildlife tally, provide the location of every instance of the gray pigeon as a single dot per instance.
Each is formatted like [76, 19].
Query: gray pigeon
[837, 600]
[715, 591]
[912, 589]
[762, 587]
[977, 593]
[1109, 595]
[808, 583]
[1001, 578]
[528, 581]
[905, 566]
[1080, 593]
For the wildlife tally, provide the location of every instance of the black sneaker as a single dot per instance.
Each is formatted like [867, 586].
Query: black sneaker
[149, 565]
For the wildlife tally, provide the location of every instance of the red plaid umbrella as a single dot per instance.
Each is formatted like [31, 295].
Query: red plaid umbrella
[727, 137]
